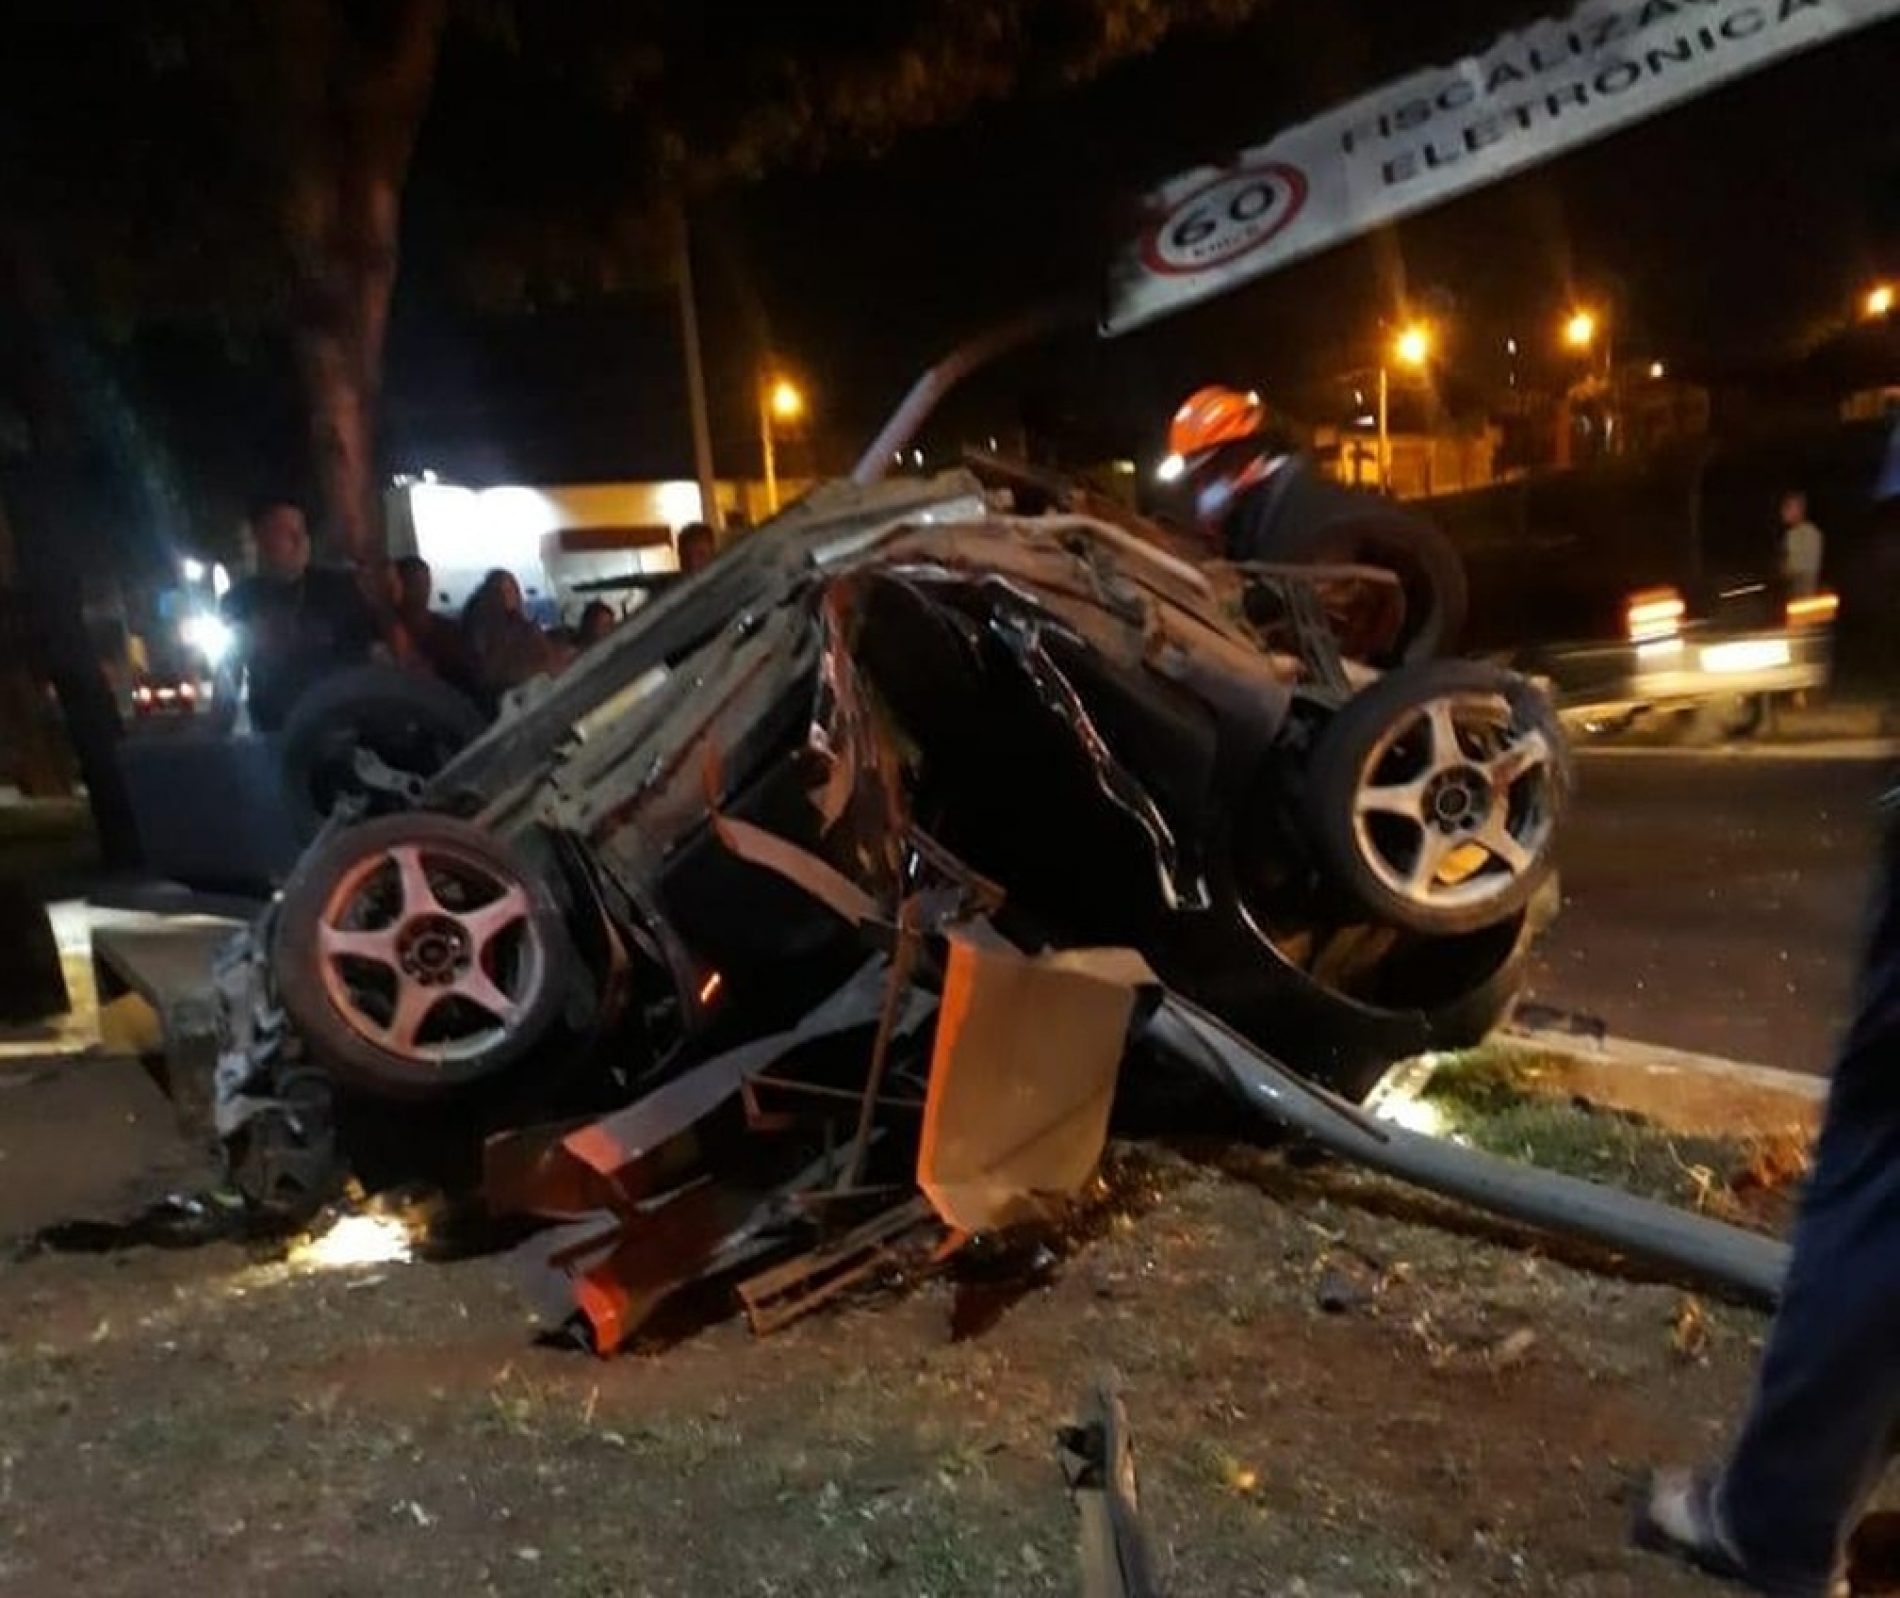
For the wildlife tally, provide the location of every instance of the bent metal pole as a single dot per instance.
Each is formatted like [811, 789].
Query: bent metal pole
[1659, 1234]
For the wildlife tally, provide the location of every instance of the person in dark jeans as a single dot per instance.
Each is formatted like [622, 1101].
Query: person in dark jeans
[1826, 1412]
[294, 622]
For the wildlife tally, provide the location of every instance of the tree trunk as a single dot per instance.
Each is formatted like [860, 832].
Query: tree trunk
[49, 492]
[29, 752]
[86, 700]
[336, 364]
[344, 216]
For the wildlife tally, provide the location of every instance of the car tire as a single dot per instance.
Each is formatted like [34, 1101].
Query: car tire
[1393, 812]
[503, 960]
[1344, 1041]
[414, 724]
[1429, 569]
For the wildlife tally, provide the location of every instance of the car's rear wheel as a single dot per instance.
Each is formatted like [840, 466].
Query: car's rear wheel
[420, 955]
[1428, 567]
[412, 727]
[1433, 797]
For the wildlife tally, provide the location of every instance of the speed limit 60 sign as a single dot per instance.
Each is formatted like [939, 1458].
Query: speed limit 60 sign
[1239, 211]
[1444, 130]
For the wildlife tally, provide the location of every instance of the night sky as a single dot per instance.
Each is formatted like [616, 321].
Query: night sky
[1729, 231]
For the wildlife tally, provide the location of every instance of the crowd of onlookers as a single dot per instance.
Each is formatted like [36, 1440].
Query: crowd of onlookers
[295, 622]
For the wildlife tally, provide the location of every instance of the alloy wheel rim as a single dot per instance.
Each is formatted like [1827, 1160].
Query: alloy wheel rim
[1454, 805]
[430, 952]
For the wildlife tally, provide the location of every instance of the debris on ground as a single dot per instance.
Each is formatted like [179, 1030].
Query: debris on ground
[1279, 1448]
[1098, 1463]
[1690, 1338]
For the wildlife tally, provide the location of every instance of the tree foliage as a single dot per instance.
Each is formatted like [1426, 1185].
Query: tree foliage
[560, 133]
[244, 164]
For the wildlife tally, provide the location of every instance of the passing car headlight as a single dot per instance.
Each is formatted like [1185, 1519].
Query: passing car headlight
[210, 635]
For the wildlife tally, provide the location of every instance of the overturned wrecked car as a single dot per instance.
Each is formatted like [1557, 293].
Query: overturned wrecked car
[901, 732]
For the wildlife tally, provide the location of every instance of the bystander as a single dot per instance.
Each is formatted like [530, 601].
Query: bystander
[294, 622]
[1802, 547]
[695, 547]
[430, 638]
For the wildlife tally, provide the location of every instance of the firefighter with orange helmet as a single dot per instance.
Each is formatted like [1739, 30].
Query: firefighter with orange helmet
[1258, 497]
[1230, 455]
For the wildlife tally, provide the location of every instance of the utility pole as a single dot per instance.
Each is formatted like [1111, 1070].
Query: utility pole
[695, 373]
[1385, 436]
[767, 449]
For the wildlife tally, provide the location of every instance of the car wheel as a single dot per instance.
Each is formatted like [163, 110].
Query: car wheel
[420, 955]
[1433, 798]
[413, 725]
[1442, 993]
[1740, 716]
[1426, 563]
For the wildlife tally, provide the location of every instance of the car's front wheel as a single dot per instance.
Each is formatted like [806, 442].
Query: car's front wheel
[1434, 797]
[420, 955]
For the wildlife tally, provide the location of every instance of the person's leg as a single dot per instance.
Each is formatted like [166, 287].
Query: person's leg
[1827, 1401]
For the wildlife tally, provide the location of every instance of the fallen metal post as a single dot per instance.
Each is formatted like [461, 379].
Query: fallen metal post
[928, 391]
[1658, 1233]
[1098, 1463]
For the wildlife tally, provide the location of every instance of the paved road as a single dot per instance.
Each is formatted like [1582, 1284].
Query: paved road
[1713, 901]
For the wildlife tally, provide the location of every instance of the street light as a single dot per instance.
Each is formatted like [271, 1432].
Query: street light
[1412, 347]
[1879, 302]
[780, 400]
[1580, 331]
[788, 404]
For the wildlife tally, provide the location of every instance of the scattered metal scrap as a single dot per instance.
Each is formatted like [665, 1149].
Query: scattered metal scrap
[1098, 1463]
[998, 1112]
[1025, 1052]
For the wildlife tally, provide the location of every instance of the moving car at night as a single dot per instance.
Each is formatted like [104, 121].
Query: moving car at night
[1712, 669]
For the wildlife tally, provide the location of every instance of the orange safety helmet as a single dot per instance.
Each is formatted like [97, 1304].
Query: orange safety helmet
[1213, 416]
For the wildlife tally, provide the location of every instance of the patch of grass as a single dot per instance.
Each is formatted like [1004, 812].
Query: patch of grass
[1482, 1081]
[46, 837]
[1489, 1099]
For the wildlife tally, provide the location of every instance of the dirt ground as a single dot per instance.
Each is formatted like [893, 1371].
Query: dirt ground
[1464, 1418]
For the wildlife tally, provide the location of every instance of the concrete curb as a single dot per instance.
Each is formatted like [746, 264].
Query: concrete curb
[1676, 1089]
[1821, 749]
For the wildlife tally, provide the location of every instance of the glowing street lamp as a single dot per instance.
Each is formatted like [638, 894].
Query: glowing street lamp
[1581, 332]
[1413, 346]
[780, 401]
[788, 403]
[1879, 301]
